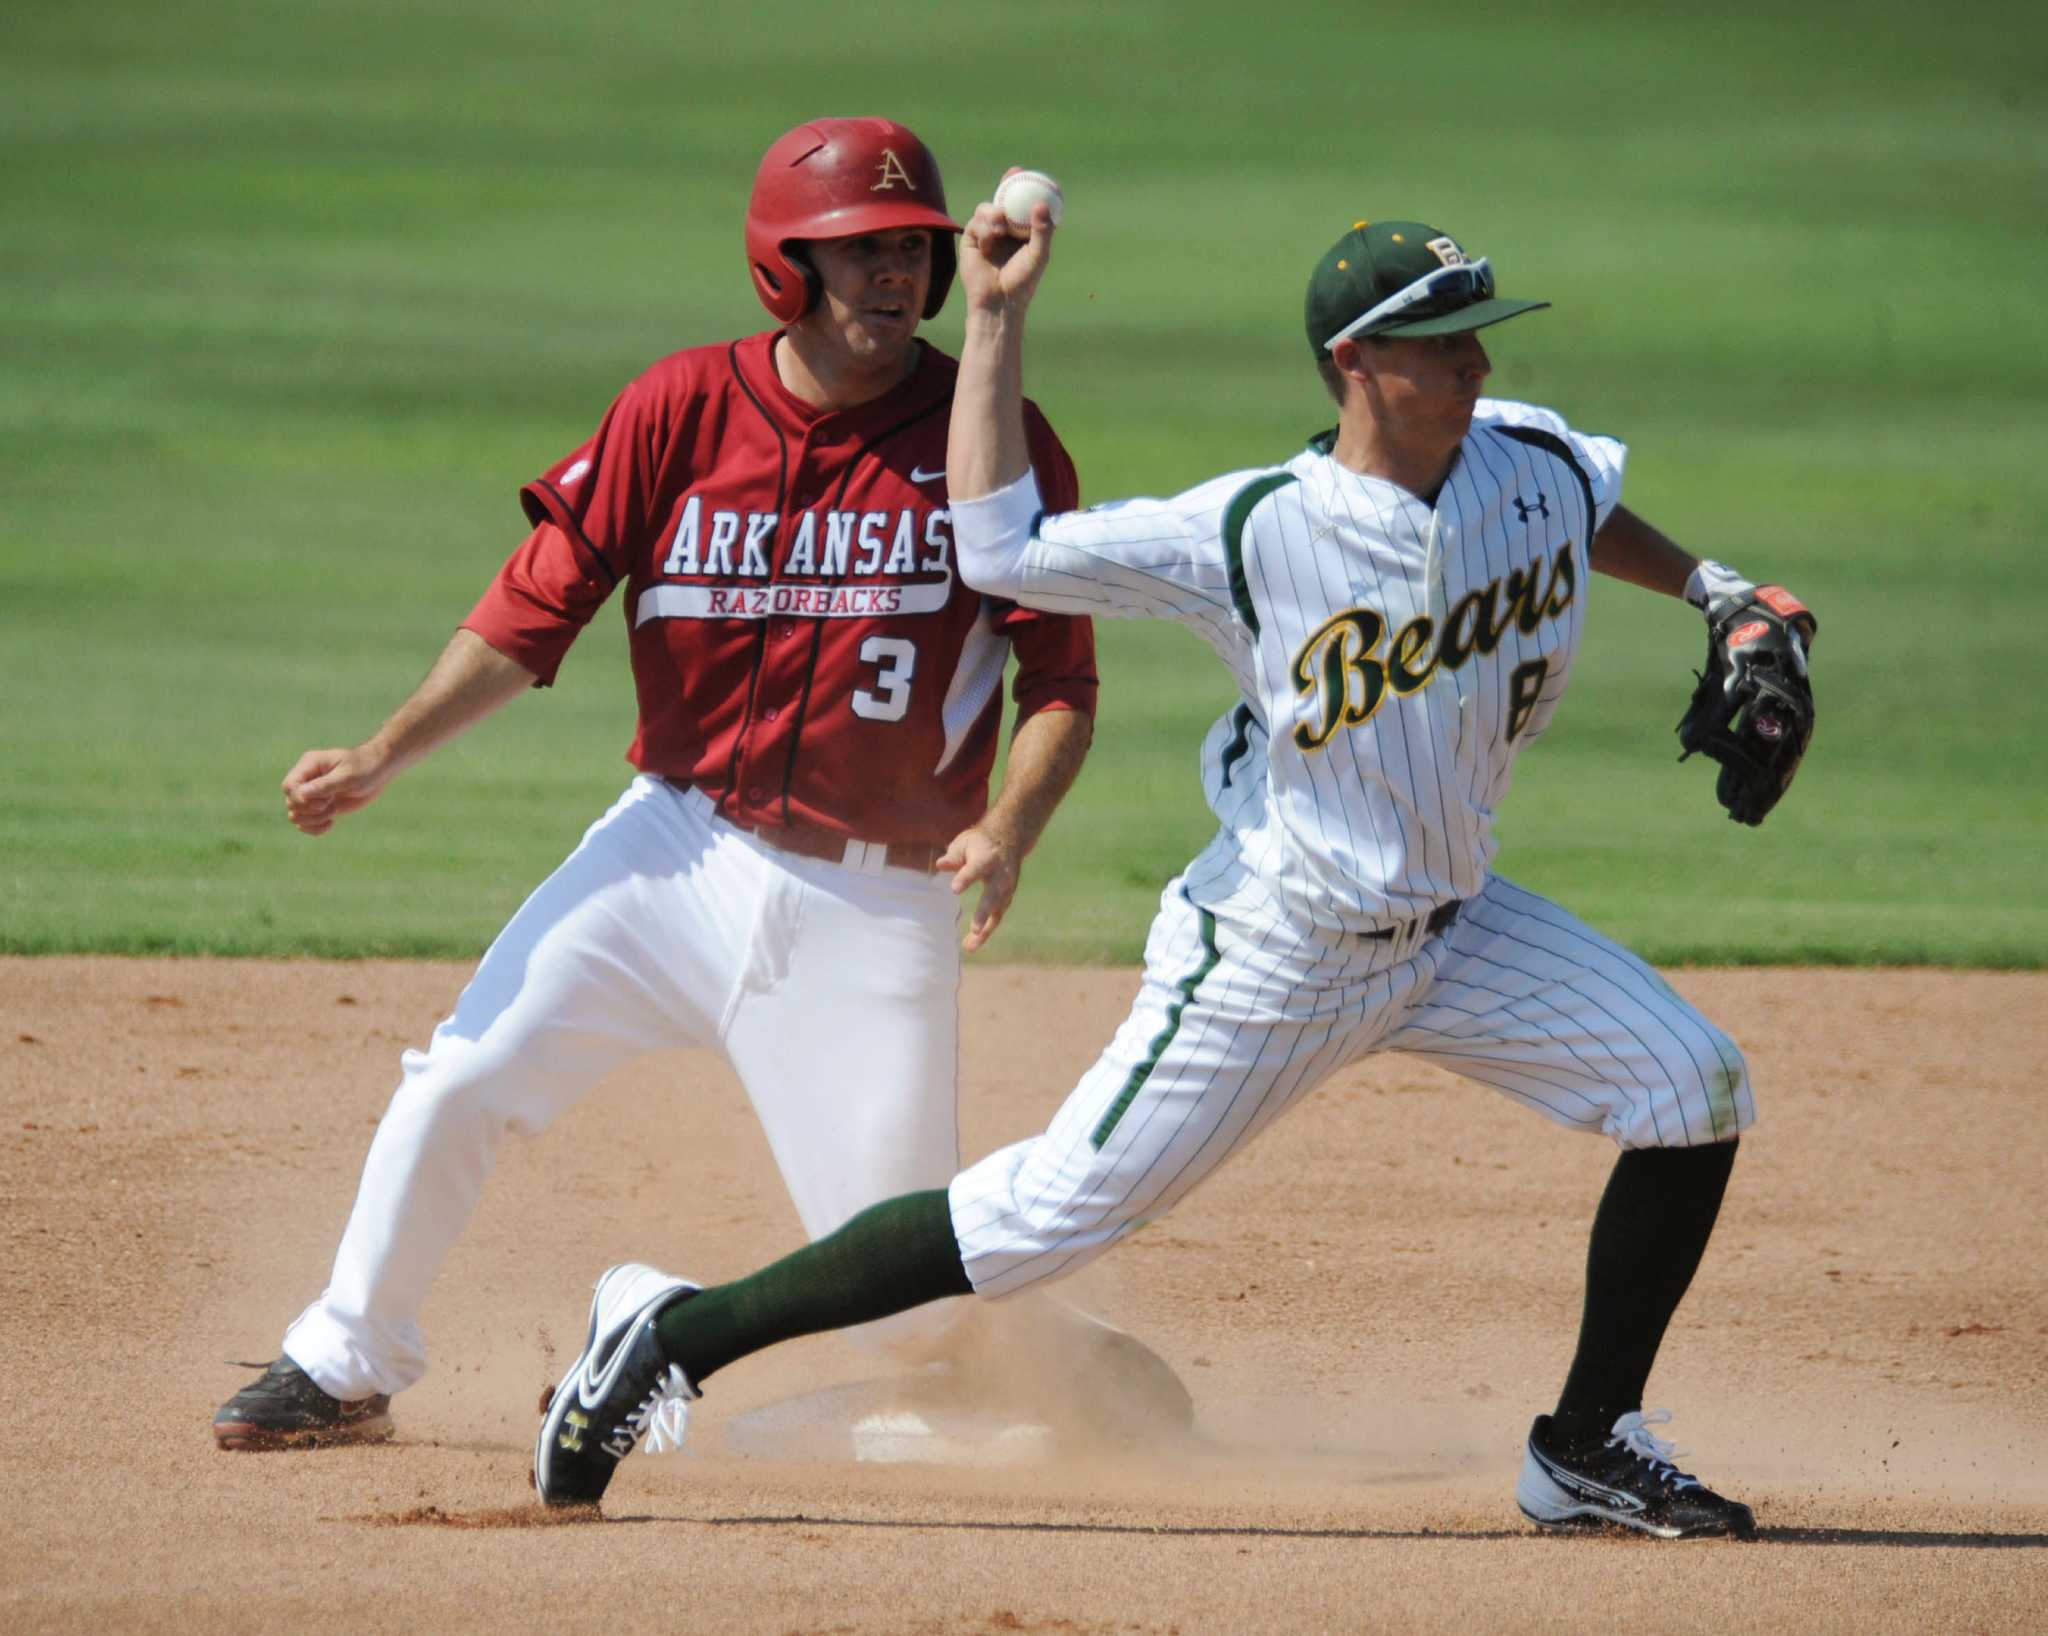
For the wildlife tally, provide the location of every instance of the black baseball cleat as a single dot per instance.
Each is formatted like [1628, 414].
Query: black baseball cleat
[1626, 1480]
[619, 1390]
[283, 1409]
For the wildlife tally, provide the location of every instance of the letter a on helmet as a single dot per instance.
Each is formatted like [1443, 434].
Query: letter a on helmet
[831, 179]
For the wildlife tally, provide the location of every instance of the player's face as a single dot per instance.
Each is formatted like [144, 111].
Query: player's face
[874, 288]
[1428, 384]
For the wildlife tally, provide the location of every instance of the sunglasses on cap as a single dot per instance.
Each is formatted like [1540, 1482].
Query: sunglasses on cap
[1445, 290]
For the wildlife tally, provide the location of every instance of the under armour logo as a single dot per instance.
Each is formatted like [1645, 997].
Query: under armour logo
[1541, 506]
[572, 1438]
[890, 171]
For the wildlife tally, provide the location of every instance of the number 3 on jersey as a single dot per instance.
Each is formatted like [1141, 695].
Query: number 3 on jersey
[897, 658]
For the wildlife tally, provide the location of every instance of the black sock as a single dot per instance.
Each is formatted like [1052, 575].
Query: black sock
[893, 1256]
[1648, 1237]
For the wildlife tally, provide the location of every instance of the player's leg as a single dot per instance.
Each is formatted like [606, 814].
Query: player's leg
[589, 973]
[1226, 1033]
[845, 1032]
[1527, 998]
[844, 1029]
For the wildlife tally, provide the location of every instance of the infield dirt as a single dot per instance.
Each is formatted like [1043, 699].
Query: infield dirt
[1368, 1307]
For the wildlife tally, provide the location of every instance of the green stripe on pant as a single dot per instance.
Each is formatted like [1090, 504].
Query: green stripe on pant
[1157, 1049]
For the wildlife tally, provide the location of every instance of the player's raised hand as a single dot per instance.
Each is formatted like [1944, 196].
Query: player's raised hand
[977, 855]
[998, 265]
[324, 785]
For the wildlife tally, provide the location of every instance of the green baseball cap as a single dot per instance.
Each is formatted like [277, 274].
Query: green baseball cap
[1401, 278]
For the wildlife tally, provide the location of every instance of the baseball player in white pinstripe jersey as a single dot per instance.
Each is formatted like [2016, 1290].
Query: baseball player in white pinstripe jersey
[1399, 605]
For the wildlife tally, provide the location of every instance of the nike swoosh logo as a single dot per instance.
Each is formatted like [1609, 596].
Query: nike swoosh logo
[593, 1384]
[919, 475]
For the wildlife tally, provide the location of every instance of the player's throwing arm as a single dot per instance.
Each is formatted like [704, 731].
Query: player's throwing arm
[1003, 257]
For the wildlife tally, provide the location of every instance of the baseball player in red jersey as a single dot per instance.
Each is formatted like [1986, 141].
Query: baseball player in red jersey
[819, 704]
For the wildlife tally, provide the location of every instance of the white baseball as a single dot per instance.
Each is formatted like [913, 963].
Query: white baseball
[1021, 191]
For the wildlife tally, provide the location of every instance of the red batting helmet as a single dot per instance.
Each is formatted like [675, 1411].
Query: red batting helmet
[831, 179]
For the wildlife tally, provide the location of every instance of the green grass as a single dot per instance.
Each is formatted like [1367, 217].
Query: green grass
[295, 297]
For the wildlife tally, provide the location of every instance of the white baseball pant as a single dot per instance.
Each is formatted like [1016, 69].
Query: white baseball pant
[832, 990]
[1232, 1026]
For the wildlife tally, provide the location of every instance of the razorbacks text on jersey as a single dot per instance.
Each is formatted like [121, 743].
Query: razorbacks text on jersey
[802, 647]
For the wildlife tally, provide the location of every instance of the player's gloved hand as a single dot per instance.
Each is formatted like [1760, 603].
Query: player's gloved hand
[1753, 708]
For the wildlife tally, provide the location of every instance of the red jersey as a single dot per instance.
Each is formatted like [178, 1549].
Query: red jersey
[803, 650]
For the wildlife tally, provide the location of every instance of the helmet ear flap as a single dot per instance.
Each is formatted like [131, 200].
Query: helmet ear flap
[799, 257]
[786, 282]
[945, 263]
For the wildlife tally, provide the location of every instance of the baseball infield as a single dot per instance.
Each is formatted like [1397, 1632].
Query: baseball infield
[1366, 1308]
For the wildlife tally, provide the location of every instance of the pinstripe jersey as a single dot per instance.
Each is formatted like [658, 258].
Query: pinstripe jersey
[1393, 657]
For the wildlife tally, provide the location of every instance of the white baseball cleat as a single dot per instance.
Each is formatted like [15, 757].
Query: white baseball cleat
[619, 1390]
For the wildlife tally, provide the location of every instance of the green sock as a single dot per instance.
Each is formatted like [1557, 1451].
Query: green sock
[895, 1255]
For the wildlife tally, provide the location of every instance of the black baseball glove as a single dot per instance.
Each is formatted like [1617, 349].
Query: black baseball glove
[1753, 708]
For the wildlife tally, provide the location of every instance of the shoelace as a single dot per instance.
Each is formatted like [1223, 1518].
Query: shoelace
[1632, 1432]
[664, 1414]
